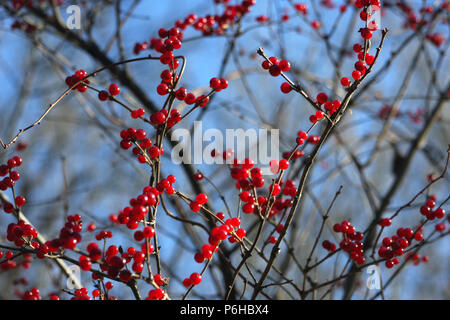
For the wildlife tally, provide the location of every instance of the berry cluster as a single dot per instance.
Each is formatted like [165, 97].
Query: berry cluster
[111, 263]
[385, 110]
[416, 258]
[394, 246]
[436, 38]
[138, 113]
[144, 151]
[200, 200]
[156, 294]
[351, 242]
[276, 67]
[113, 90]
[228, 229]
[301, 8]
[21, 233]
[170, 40]
[328, 245]
[428, 211]
[32, 294]
[330, 106]
[140, 206]
[81, 294]
[248, 177]
[279, 204]
[273, 239]
[9, 263]
[276, 166]
[368, 8]
[296, 155]
[69, 237]
[9, 182]
[301, 139]
[79, 75]
[23, 25]
[194, 279]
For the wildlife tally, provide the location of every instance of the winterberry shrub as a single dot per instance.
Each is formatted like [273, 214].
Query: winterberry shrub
[101, 127]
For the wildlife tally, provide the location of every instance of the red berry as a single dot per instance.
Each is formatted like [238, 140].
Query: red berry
[140, 134]
[198, 176]
[276, 189]
[274, 60]
[430, 203]
[385, 222]
[109, 285]
[439, 213]
[275, 70]
[14, 175]
[95, 293]
[196, 278]
[248, 208]
[148, 232]
[103, 95]
[356, 74]
[389, 264]
[181, 93]
[114, 89]
[187, 282]
[357, 47]
[190, 98]
[20, 201]
[366, 33]
[85, 264]
[201, 198]
[195, 206]
[285, 87]
[418, 236]
[240, 233]
[223, 83]
[214, 83]
[11, 163]
[337, 228]
[319, 114]
[359, 65]
[345, 81]
[158, 118]
[283, 164]
[199, 258]
[285, 65]
[322, 98]
[158, 279]
[162, 33]
[387, 241]
[315, 24]
[162, 89]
